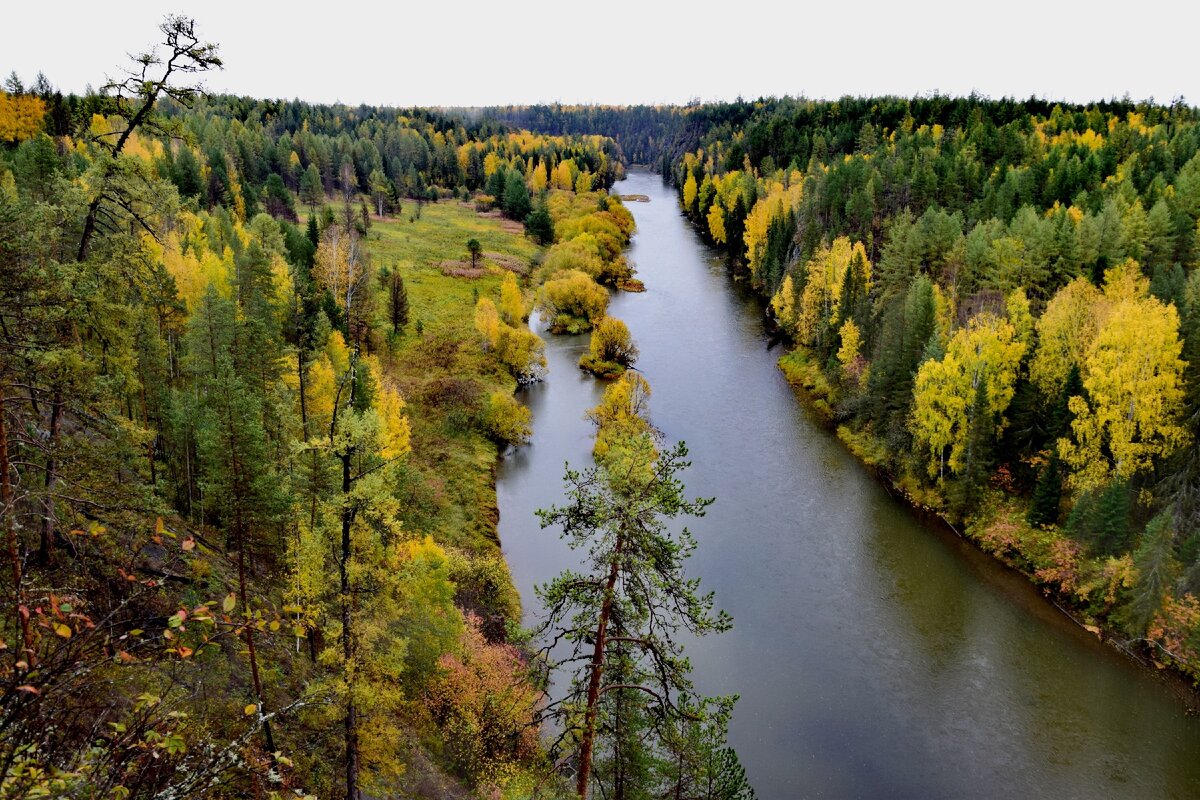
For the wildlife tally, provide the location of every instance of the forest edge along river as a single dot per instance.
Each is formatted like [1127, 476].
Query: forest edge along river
[875, 655]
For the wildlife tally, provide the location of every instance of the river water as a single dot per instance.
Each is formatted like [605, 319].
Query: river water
[875, 656]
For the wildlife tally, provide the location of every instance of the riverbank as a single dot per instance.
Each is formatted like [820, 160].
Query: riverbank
[1084, 589]
[873, 655]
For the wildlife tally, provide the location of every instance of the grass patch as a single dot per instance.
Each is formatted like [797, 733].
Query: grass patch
[805, 375]
[867, 448]
[448, 482]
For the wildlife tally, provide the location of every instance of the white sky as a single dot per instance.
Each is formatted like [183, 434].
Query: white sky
[463, 52]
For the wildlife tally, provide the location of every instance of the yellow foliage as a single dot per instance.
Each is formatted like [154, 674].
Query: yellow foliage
[1065, 331]
[512, 303]
[522, 352]
[582, 253]
[775, 203]
[393, 424]
[1134, 383]
[540, 179]
[819, 302]
[572, 299]
[784, 304]
[564, 175]
[506, 419]
[185, 254]
[689, 191]
[848, 353]
[487, 322]
[338, 352]
[20, 117]
[491, 163]
[716, 223]
[322, 387]
[1017, 306]
[944, 390]
[623, 412]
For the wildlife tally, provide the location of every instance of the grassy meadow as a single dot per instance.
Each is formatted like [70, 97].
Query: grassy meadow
[448, 480]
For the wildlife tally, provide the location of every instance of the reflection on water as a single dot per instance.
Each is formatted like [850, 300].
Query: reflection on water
[874, 656]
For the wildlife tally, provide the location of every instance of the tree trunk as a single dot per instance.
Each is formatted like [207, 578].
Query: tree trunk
[347, 639]
[14, 550]
[248, 633]
[89, 229]
[46, 546]
[587, 743]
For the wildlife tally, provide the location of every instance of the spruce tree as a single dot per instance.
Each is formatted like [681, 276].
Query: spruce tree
[312, 191]
[516, 202]
[539, 225]
[1047, 494]
[977, 459]
[1154, 559]
[496, 184]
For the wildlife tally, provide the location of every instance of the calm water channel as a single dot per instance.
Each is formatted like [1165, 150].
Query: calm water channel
[874, 656]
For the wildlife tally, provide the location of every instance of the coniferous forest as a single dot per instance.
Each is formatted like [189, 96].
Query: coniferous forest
[259, 360]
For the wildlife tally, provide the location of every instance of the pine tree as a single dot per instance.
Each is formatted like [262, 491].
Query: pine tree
[497, 182]
[186, 173]
[312, 191]
[625, 608]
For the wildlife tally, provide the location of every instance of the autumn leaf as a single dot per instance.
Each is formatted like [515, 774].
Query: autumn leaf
[63, 630]
[250, 709]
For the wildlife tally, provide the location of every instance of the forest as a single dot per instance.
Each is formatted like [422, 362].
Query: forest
[258, 364]
[995, 303]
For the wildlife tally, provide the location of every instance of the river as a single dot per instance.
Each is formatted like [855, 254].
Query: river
[875, 656]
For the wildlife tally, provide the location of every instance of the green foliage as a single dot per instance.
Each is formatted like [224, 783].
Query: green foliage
[515, 198]
[258, 566]
[539, 226]
[1046, 504]
[627, 604]
[1101, 518]
[1154, 559]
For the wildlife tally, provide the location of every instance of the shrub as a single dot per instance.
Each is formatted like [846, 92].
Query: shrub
[522, 352]
[512, 302]
[485, 707]
[579, 254]
[572, 301]
[612, 349]
[505, 419]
